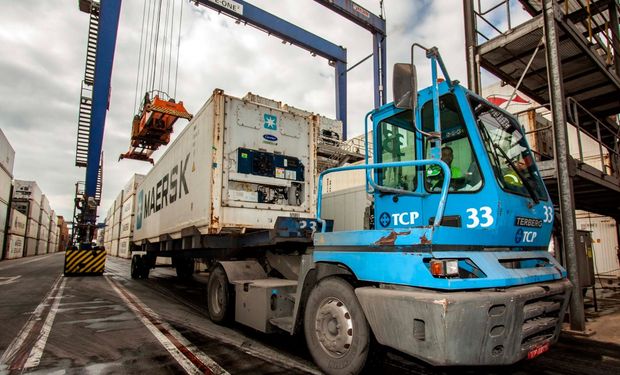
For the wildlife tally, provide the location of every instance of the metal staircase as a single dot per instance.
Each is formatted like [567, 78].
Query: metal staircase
[86, 92]
[99, 181]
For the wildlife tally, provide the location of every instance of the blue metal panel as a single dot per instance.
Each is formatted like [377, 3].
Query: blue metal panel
[409, 268]
[356, 13]
[341, 96]
[106, 43]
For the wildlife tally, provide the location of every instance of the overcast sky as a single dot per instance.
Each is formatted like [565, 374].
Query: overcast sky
[42, 57]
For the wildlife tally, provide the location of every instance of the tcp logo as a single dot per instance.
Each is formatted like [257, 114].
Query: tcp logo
[525, 236]
[404, 218]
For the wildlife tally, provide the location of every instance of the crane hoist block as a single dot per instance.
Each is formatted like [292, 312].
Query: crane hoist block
[152, 127]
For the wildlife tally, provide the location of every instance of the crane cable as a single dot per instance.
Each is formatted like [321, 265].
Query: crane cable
[157, 56]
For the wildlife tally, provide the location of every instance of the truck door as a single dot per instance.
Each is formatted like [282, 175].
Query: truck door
[395, 140]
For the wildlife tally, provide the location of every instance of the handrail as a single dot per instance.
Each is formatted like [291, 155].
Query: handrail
[409, 163]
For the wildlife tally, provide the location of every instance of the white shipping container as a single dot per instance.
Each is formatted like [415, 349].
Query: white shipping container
[126, 229]
[17, 223]
[114, 248]
[236, 165]
[116, 230]
[6, 182]
[14, 246]
[32, 228]
[27, 190]
[43, 233]
[604, 243]
[130, 187]
[4, 215]
[118, 202]
[7, 154]
[45, 205]
[128, 207]
[346, 207]
[41, 247]
[123, 248]
[44, 219]
[28, 207]
[30, 247]
[116, 219]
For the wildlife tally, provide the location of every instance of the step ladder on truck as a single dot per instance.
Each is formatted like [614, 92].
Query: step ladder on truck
[455, 271]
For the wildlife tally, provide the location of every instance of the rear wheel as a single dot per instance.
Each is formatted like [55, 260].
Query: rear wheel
[220, 298]
[337, 333]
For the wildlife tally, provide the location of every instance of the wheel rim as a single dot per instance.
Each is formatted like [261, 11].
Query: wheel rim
[334, 327]
[217, 297]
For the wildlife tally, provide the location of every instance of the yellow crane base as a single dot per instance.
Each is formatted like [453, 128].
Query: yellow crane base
[84, 262]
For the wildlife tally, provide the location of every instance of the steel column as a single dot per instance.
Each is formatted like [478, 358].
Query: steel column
[471, 46]
[615, 34]
[565, 183]
[341, 95]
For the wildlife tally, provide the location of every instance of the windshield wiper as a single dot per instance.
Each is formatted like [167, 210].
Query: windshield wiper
[526, 182]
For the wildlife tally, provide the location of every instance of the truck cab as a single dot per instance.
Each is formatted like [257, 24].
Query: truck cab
[456, 270]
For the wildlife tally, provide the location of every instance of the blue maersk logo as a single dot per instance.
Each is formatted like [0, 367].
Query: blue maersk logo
[139, 209]
[271, 122]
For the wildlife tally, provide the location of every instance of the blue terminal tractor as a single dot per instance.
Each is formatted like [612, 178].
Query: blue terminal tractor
[456, 270]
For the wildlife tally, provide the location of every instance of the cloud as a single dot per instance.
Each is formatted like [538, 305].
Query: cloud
[42, 55]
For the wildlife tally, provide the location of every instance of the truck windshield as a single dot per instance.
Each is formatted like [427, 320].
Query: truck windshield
[511, 158]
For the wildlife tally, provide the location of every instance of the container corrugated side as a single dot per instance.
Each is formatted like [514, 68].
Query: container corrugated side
[128, 208]
[130, 187]
[41, 247]
[126, 229]
[30, 246]
[114, 248]
[4, 215]
[346, 207]
[44, 219]
[14, 246]
[123, 248]
[6, 183]
[45, 205]
[32, 228]
[17, 223]
[7, 154]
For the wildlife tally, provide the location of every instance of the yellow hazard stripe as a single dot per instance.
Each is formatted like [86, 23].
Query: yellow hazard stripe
[84, 261]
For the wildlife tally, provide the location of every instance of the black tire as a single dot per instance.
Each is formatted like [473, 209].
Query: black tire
[136, 266]
[220, 296]
[336, 330]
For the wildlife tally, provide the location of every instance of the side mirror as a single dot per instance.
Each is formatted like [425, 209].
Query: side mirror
[405, 87]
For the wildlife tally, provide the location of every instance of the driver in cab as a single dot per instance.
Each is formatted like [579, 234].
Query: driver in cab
[434, 175]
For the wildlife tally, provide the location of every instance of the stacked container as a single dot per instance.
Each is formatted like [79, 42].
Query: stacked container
[44, 226]
[7, 158]
[128, 211]
[27, 198]
[15, 235]
[52, 244]
[119, 221]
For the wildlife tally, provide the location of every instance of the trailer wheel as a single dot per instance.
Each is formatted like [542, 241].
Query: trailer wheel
[220, 297]
[337, 333]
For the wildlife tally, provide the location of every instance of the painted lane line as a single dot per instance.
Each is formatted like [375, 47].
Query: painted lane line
[26, 262]
[9, 280]
[34, 357]
[192, 359]
[10, 355]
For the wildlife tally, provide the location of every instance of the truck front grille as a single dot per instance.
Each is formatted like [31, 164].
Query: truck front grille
[540, 319]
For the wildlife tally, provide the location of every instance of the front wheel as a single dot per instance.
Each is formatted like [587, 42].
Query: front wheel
[220, 297]
[337, 333]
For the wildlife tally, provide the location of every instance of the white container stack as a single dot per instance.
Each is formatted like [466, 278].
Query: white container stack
[27, 198]
[52, 245]
[7, 159]
[44, 226]
[119, 221]
[16, 233]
